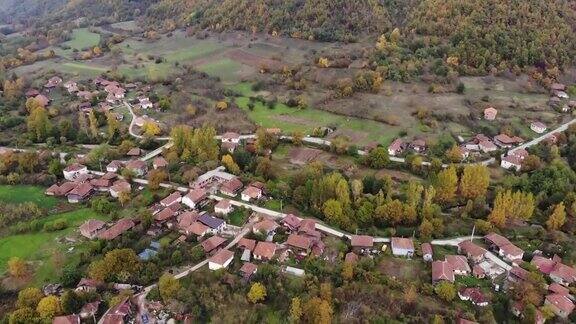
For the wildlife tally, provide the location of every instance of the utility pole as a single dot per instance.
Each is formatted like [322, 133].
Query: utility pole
[473, 230]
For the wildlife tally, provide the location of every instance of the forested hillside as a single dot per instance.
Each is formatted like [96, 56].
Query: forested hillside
[324, 20]
[48, 12]
[484, 33]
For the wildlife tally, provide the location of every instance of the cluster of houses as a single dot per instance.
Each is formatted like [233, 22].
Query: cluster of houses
[474, 260]
[559, 98]
[490, 114]
[113, 90]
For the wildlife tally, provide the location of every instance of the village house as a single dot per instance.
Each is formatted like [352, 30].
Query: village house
[490, 113]
[66, 319]
[266, 227]
[212, 243]
[89, 310]
[60, 190]
[195, 198]
[220, 260]
[215, 224]
[402, 246]
[74, 170]
[474, 295]
[81, 193]
[119, 187]
[139, 168]
[246, 246]
[91, 228]
[231, 187]
[52, 83]
[119, 313]
[478, 272]
[88, 285]
[442, 271]
[223, 207]
[114, 166]
[538, 127]
[230, 137]
[197, 228]
[114, 90]
[71, 86]
[361, 244]
[159, 163]
[504, 247]
[511, 162]
[472, 251]
[251, 193]
[561, 305]
[459, 264]
[30, 93]
[505, 141]
[144, 102]
[171, 199]
[187, 218]
[427, 253]
[103, 183]
[291, 222]
[300, 244]
[121, 227]
[517, 274]
[135, 152]
[229, 147]
[418, 145]
[213, 177]
[396, 147]
[248, 270]
[165, 215]
[264, 251]
[487, 146]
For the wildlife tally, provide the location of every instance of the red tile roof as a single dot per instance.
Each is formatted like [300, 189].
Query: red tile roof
[265, 250]
[212, 243]
[197, 195]
[561, 302]
[222, 256]
[442, 270]
[171, 199]
[543, 264]
[426, 248]
[291, 221]
[165, 214]
[299, 241]
[471, 249]
[458, 262]
[92, 225]
[248, 244]
[248, 268]
[231, 186]
[558, 289]
[117, 229]
[362, 241]
[266, 226]
[402, 243]
[496, 239]
[198, 228]
[68, 319]
[252, 192]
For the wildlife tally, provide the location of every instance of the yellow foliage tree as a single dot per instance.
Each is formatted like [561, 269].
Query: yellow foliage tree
[557, 218]
[49, 307]
[475, 181]
[221, 105]
[323, 62]
[446, 185]
[17, 268]
[230, 165]
[168, 286]
[257, 293]
[150, 128]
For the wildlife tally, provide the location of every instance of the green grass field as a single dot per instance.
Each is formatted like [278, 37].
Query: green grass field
[225, 69]
[83, 38]
[20, 194]
[82, 69]
[41, 246]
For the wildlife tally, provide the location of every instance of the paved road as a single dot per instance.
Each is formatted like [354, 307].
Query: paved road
[133, 121]
[539, 139]
[455, 241]
[156, 152]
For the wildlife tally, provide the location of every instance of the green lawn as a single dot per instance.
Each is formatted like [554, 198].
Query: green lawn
[83, 38]
[225, 69]
[82, 69]
[41, 246]
[193, 52]
[20, 194]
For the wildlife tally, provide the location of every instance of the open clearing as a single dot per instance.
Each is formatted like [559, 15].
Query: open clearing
[21, 194]
[82, 38]
[40, 247]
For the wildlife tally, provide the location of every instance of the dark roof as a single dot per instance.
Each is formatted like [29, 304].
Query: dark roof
[210, 221]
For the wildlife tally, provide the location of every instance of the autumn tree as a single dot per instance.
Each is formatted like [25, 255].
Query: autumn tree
[347, 272]
[297, 138]
[168, 286]
[474, 182]
[454, 154]
[113, 125]
[23, 315]
[264, 168]
[150, 128]
[414, 193]
[29, 297]
[17, 268]
[445, 290]
[378, 158]
[334, 212]
[155, 178]
[558, 217]
[124, 197]
[49, 307]
[39, 124]
[119, 262]
[295, 310]
[231, 166]
[446, 185]
[510, 206]
[93, 122]
[257, 293]
[265, 140]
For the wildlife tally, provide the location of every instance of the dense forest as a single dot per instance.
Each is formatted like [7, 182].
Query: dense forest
[473, 37]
